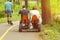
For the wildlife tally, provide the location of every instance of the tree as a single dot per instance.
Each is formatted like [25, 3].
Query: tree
[37, 2]
[14, 0]
[46, 12]
[26, 3]
[10, 0]
[18, 1]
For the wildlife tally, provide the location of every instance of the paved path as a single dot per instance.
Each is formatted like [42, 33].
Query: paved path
[13, 33]
[3, 28]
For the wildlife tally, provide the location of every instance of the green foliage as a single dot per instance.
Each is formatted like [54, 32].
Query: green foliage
[50, 35]
[2, 14]
[50, 31]
[2, 11]
[55, 6]
[57, 18]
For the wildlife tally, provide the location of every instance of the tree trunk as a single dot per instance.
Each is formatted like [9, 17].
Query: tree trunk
[10, 0]
[46, 12]
[18, 1]
[37, 2]
[26, 3]
[21, 1]
[14, 0]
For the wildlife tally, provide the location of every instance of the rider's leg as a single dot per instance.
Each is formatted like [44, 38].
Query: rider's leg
[7, 16]
[10, 18]
[39, 24]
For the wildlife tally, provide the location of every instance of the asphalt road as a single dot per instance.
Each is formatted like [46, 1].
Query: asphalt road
[3, 28]
[14, 34]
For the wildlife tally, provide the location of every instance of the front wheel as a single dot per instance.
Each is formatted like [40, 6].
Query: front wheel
[20, 28]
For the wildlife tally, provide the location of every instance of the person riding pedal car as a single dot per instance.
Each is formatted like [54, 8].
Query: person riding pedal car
[35, 16]
[24, 15]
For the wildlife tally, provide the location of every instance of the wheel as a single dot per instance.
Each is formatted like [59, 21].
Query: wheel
[39, 29]
[20, 28]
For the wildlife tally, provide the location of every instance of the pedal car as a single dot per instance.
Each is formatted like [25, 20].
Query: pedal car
[24, 24]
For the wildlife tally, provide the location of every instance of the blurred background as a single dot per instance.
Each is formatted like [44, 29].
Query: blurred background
[17, 5]
[50, 31]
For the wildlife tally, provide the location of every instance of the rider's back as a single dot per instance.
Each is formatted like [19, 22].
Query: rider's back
[8, 5]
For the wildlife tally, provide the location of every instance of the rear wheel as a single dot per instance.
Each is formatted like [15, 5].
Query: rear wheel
[39, 28]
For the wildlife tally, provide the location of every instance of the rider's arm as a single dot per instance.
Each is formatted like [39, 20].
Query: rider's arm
[19, 12]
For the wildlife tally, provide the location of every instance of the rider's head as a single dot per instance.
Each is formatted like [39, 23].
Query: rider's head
[34, 8]
[24, 7]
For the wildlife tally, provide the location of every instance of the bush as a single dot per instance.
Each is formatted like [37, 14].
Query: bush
[57, 18]
[2, 14]
[50, 35]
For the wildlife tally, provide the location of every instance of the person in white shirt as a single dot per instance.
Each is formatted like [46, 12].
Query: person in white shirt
[34, 11]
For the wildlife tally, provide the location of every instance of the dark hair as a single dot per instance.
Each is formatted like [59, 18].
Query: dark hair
[33, 8]
[24, 6]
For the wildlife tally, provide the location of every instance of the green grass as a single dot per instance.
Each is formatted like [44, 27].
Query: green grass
[50, 31]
